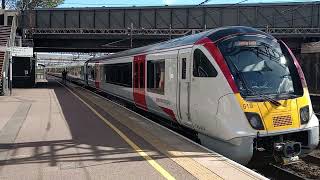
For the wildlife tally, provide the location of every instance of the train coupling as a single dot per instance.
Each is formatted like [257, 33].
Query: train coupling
[287, 152]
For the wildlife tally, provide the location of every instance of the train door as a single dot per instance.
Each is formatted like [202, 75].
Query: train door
[184, 87]
[97, 75]
[139, 81]
[206, 90]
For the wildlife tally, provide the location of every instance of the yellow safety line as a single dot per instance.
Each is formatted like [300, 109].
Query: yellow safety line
[152, 162]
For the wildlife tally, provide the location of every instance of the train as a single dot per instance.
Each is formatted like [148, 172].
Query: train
[240, 89]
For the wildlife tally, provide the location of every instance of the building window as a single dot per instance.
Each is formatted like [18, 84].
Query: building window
[119, 74]
[156, 76]
[202, 67]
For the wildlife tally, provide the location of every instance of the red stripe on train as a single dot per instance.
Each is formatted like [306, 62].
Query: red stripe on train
[169, 112]
[296, 63]
[139, 77]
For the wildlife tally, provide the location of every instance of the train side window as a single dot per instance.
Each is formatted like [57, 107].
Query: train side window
[92, 73]
[81, 72]
[184, 68]
[119, 74]
[156, 76]
[202, 67]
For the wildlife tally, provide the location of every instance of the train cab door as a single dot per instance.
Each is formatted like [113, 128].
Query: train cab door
[206, 90]
[184, 87]
[139, 81]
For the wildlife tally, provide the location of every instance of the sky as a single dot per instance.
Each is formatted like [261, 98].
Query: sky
[117, 3]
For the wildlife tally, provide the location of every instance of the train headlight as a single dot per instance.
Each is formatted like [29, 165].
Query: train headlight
[304, 115]
[255, 120]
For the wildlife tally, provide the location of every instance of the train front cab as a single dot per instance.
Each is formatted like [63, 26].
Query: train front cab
[263, 101]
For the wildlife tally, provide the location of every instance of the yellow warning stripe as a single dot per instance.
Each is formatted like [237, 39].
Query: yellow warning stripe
[152, 162]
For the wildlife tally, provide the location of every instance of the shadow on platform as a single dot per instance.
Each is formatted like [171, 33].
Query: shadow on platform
[92, 140]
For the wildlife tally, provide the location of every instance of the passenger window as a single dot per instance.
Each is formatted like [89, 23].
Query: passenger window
[81, 70]
[156, 76]
[92, 73]
[119, 74]
[136, 80]
[184, 68]
[202, 67]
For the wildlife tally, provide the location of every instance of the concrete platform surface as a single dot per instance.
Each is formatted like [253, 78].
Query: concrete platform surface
[60, 133]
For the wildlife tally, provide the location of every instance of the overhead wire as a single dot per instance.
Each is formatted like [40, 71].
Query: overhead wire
[203, 2]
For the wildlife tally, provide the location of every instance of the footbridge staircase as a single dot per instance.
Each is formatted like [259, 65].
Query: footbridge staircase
[7, 37]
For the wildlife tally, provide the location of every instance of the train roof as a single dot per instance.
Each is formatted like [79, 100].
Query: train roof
[213, 34]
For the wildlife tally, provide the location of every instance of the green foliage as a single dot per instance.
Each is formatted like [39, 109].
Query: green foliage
[32, 4]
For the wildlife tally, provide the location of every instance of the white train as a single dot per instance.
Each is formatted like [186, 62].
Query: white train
[240, 89]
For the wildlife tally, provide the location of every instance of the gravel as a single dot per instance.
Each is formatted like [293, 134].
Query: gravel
[306, 169]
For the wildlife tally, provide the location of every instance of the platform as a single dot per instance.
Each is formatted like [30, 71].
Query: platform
[70, 133]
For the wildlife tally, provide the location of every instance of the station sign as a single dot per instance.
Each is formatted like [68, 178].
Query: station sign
[22, 51]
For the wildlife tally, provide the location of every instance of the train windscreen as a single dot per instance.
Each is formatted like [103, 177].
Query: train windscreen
[261, 66]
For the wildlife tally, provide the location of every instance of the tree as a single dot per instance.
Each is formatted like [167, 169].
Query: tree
[32, 4]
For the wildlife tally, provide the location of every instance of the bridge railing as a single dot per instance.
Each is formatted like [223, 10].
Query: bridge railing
[164, 32]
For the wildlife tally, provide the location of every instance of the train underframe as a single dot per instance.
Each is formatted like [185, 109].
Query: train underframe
[284, 148]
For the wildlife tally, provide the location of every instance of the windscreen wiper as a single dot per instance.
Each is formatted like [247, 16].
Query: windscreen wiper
[273, 101]
[267, 98]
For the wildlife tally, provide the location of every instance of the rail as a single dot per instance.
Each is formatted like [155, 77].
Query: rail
[312, 159]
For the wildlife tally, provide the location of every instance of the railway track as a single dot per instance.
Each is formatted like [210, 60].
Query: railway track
[312, 159]
[275, 172]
